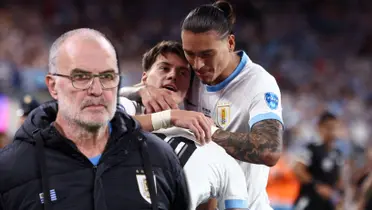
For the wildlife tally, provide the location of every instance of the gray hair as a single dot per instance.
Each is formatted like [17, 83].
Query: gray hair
[54, 49]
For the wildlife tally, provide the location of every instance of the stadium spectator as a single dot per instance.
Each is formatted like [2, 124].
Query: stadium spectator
[318, 169]
[27, 104]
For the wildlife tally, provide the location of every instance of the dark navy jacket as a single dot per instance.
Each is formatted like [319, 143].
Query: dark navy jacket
[117, 182]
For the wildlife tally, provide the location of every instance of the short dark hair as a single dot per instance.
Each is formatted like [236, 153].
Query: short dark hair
[326, 116]
[161, 48]
[218, 16]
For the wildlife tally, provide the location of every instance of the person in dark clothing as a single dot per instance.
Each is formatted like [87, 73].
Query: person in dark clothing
[27, 104]
[80, 151]
[318, 169]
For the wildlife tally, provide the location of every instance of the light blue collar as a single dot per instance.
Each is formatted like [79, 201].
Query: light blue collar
[238, 69]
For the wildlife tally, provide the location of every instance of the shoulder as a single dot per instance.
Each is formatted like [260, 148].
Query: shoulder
[215, 158]
[12, 152]
[16, 160]
[214, 151]
[130, 107]
[161, 151]
[314, 146]
[260, 76]
[256, 75]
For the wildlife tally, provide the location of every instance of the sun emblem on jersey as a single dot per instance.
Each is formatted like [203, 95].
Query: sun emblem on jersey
[143, 185]
[223, 114]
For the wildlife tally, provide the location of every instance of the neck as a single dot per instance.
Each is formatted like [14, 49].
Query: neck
[231, 66]
[327, 142]
[329, 145]
[90, 141]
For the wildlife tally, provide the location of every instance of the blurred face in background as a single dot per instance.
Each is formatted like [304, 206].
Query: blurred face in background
[171, 72]
[330, 129]
[21, 120]
[94, 106]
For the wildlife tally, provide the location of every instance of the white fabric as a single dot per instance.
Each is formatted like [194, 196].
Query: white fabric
[210, 171]
[252, 95]
[161, 119]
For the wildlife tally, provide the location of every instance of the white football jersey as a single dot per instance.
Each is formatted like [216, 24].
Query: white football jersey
[210, 172]
[249, 95]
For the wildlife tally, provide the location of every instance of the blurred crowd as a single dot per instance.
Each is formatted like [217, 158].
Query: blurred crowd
[319, 51]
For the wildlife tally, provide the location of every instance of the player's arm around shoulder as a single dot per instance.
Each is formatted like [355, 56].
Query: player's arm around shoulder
[262, 144]
[197, 122]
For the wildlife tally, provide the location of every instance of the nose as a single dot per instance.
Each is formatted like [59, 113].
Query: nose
[172, 74]
[198, 63]
[96, 87]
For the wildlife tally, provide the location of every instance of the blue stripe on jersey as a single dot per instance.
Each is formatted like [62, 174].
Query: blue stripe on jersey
[236, 204]
[266, 116]
[235, 73]
[95, 160]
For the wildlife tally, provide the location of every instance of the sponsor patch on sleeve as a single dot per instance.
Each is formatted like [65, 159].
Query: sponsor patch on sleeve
[272, 100]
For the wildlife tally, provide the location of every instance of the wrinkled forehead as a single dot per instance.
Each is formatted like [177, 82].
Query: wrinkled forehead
[88, 54]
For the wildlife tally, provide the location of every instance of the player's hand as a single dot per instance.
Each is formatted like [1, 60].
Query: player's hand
[156, 99]
[197, 122]
[324, 190]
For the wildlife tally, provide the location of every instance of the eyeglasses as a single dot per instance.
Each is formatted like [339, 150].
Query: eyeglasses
[84, 80]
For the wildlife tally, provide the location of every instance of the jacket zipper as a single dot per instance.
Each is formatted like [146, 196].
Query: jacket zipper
[95, 169]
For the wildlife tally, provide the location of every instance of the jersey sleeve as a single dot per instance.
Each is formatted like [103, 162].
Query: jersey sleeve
[233, 189]
[129, 106]
[266, 100]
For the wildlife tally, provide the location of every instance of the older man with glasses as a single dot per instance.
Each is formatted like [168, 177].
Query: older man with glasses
[81, 152]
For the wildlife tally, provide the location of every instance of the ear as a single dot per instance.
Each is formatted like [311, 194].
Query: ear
[144, 77]
[231, 42]
[51, 84]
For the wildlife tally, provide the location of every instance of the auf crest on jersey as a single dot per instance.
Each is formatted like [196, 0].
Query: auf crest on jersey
[143, 185]
[223, 114]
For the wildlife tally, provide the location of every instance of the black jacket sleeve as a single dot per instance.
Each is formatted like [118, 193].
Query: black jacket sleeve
[182, 197]
[2, 207]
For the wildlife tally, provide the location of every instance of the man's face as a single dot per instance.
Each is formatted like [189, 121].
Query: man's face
[92, 107]
[207, 54]
[330, 129]
[171, 72]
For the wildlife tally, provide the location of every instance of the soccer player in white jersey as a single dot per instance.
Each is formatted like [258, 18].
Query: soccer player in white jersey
[210, 171]
[243, 98]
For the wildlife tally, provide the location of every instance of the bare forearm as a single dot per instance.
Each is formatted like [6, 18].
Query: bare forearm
[301, 173]
[262, 145]
[145, 121]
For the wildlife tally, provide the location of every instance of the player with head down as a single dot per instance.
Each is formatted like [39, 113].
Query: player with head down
[210, 171]
[242, 97]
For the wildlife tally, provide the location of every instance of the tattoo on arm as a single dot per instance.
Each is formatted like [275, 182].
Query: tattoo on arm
[262, 145]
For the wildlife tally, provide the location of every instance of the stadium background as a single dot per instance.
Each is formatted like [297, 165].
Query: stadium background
[319, 52]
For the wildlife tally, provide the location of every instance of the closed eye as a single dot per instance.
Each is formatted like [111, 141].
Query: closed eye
[190, 54]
